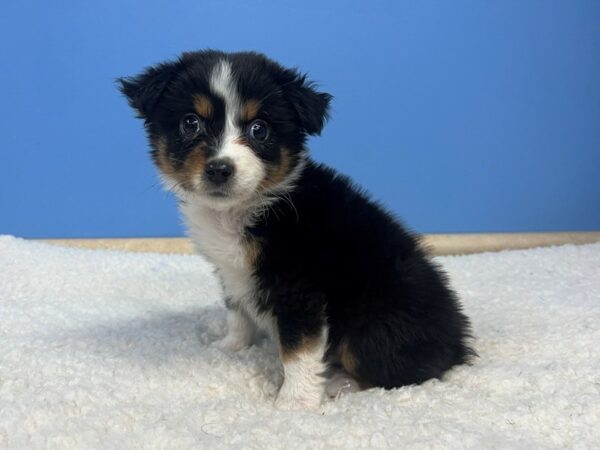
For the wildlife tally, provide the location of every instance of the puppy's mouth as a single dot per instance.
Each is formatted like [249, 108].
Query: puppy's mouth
[225, 193]
[223, 196]
[218, 193]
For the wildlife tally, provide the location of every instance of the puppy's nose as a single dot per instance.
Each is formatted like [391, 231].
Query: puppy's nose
[219, 171]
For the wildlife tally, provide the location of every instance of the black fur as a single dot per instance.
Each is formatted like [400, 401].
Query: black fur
[145, 91]
[329, 256]
[336, 257]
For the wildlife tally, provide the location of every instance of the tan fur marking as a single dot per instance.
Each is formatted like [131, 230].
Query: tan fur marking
[203, 106]
[241, 140]
[194, 164]
[347, 358]
[250, 110]
[192, 167]
[276, 174]
[252, 248]
[307, 345]
[160, 157]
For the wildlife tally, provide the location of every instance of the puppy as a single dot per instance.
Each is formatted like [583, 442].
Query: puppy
[344, 290]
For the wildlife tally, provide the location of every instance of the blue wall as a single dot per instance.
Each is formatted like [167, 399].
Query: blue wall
[463, 116]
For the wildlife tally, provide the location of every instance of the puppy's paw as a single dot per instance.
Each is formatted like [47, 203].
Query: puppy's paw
[232, 343]
[290, 401]
[341, 384]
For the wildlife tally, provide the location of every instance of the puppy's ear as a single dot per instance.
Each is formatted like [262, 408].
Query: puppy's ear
[311, 106]
[144, 91]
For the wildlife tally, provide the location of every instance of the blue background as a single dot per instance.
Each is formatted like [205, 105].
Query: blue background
[462, 116]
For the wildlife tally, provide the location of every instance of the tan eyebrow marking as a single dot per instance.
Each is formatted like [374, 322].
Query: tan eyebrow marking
[250, 109]
[203, 106]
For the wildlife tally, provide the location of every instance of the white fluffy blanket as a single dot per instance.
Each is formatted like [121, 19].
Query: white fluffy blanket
[105, 349]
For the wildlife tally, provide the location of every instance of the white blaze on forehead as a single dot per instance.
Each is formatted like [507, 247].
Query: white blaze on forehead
[249, 169]
[223, 84]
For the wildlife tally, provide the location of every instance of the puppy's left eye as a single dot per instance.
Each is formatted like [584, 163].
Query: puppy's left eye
[190, 125]
[259, 130]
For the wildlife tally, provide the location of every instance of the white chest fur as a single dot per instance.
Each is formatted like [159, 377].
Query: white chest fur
[218, 235]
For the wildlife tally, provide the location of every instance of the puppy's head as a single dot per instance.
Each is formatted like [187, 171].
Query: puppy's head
[226, 127]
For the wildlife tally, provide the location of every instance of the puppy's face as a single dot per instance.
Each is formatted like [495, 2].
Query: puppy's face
[226, 128]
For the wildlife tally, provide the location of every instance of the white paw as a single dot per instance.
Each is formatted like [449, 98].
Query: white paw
[289, 402]
[232, 343]
[341, 384]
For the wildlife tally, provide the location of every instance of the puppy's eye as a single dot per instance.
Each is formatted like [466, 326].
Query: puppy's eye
[190, 125]
[259, 130]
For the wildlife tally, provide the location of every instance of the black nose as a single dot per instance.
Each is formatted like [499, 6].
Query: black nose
[218, 171]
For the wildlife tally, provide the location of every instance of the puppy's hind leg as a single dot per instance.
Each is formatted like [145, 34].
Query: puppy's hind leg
[342, 378]
[340, 383]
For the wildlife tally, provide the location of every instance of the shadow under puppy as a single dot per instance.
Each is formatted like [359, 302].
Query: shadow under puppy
[304, 254]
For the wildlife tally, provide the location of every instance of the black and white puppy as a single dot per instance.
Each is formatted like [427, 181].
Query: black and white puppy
[302, 253]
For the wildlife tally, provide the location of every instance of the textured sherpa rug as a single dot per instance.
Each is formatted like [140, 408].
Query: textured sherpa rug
[105, 349]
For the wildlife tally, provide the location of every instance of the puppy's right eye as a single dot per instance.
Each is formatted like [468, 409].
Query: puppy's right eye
[190, 125]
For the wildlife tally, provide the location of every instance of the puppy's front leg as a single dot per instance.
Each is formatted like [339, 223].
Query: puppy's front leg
[240, 331]
[303, 365]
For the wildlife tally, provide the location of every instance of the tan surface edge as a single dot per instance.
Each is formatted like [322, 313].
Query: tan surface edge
[439, 244]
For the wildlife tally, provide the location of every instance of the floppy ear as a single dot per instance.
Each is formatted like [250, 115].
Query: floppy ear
[144, 91]
[311, 106]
